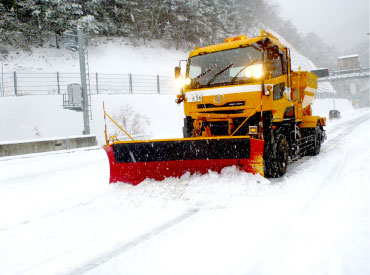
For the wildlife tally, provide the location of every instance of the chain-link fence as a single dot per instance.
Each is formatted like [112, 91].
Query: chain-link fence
[23, 83]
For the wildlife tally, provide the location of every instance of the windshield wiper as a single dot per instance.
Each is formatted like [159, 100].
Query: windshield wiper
[202, 74]
[219, 73]
[236, 76]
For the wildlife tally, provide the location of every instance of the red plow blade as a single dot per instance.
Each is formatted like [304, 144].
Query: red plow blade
[133, 162]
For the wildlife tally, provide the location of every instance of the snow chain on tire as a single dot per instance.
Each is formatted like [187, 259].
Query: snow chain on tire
[277, 161]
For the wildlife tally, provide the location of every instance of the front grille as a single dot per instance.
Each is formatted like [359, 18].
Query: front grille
[226, 112]
[229, 104]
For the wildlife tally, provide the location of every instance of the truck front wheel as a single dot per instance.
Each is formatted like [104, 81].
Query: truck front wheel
[276, 162]
[188, 127]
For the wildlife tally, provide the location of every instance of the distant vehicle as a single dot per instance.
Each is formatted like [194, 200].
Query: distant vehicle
[334, 114]
[321, 72]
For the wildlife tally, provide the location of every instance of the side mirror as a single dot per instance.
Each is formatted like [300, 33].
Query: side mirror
[177, 72]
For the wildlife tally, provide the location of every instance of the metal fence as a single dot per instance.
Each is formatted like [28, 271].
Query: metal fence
[24, 83]
[323, 95]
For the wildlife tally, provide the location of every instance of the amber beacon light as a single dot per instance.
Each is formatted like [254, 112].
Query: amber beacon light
[232, 39]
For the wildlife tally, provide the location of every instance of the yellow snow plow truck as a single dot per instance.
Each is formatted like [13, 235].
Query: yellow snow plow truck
[246, 87]
[244, 107]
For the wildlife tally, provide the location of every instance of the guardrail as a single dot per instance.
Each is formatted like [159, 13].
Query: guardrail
[45, 145]
[323, 95]
[346, 75]
[349, 71]
[25, 83]
[39, 83]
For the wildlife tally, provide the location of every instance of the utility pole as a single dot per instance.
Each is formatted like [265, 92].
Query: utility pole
[333, 101]
[85, 101]
[75, 42]
[2, 79]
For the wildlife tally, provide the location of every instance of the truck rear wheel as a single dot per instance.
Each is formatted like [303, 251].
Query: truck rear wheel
[317, 135]
[276, 162]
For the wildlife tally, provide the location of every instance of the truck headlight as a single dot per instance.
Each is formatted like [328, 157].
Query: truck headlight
[180, 82]
[187, 81]
[255, 71]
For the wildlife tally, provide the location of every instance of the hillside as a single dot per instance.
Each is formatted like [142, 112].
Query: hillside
[105, 55]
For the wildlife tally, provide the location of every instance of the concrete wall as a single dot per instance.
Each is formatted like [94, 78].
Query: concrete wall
[46, 145]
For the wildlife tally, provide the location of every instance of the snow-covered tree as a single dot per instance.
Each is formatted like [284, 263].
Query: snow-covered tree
[182, 23]
[63, 16]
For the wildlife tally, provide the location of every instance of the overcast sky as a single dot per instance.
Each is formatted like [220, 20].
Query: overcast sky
[342, 23]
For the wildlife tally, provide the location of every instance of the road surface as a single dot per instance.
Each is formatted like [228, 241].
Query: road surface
[59, 215]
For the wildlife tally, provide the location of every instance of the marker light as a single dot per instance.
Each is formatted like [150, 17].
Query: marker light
[255, 71]
[252, 130]
[268, 90]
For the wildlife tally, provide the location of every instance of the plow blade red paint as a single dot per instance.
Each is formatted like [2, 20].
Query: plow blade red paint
[133, 162]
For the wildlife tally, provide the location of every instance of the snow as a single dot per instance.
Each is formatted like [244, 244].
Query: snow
[105, 55]
[321, 107]
[34, 117]
[348, 56]
[300, 62]
[60, 216]
[44, 139]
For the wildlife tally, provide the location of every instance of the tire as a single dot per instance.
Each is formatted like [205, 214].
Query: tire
[276, 162]
[317, 142]
[187, 130]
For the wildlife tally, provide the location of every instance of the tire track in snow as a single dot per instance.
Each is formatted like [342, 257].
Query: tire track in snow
[122, 248]
[341, 130]
[279, 239]
[348, 127]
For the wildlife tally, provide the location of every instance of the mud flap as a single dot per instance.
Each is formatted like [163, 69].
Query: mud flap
[133, 162]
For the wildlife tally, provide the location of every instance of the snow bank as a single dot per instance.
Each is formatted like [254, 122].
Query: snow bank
[31, 117]
[204, 191]
[321, 107]
[34, 117]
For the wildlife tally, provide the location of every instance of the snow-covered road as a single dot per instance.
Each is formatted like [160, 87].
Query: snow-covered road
[59, 215]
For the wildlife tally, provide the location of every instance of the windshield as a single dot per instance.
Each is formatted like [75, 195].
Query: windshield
[223, 68]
